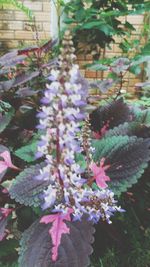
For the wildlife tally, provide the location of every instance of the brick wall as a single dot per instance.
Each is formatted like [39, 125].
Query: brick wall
[114, 51]
[15, 29]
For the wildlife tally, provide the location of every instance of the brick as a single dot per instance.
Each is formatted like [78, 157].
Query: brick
[11, 44]
[6, 34]
[46, 26]
[11, 25]
[42, 16]
[82, 63]
[121, 18]
[34, 6]
[44, 35]
[29, 35]
[80, 57]
[6, 15]
[100, 74]
[110, 55]
[46, 6]
[90, 74]
[117, 49]
[89, 57]
[21, 16]
[135, 19]
[22, 35]
[28, 26]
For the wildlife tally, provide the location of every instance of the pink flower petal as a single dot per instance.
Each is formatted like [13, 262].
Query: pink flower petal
[99, 173]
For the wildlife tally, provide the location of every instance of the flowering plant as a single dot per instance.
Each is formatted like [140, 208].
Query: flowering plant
[82, 160]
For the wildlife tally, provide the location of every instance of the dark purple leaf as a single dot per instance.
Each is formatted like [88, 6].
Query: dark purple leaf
[2, 149]
[25, 77]
[28, 50]
[144, 84]
[130, 129]
[120, 65]
[11, 59]
[4, 213]
[26, 189]
[51, 63]
[127, 158]
[44, 48]
[26, 92]
[104, 85]
[19, 80]
[48, 46]
[74, 250]
[110, 115]
[6, 85]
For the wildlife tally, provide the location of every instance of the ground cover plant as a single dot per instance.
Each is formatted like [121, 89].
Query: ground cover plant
[63, 165]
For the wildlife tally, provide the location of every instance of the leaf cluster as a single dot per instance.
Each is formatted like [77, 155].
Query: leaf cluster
[95, 23]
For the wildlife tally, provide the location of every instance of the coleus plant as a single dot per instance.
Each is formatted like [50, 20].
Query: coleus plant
[81, 162]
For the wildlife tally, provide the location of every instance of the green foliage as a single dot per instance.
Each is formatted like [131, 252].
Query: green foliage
[9, 265]
[6, 114]
[96, 23]
[142, 116]
[110, 259]
[27, 153]
[8, 247]
[79, 158]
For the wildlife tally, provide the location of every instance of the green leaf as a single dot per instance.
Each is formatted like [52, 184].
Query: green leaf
[94, 23]
[27, 153]
[142, 116]
[97, 66]
[135, 69]
[7, 248]
[140, 59]
[129, 26]
[80, 159]
[6, 114]
[146, 49]
[107, 29]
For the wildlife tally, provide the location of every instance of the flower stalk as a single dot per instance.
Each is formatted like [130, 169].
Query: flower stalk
[60, 118]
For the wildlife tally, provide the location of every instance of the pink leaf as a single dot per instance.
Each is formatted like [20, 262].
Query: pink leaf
[58, 228]
[4, 213]
[7, 163]
[101, 133]
[99, 173]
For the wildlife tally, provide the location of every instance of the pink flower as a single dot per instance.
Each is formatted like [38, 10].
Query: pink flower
[6, 163]
[99, 173]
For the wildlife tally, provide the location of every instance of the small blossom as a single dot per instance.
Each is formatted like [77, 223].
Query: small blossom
[99, 173]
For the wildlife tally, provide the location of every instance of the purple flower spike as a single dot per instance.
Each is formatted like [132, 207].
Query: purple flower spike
[62, 139]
